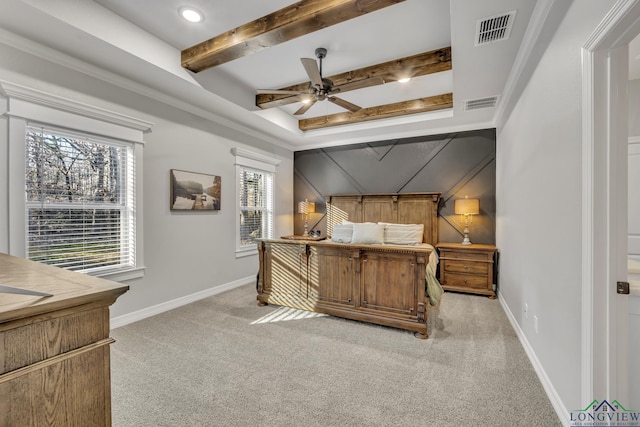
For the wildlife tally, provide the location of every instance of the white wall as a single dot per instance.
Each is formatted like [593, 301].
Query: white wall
[634, 238]
[634, 107]
[539, 204]
[188, 252]
[184, 253]
[634, 199]
[634, 169]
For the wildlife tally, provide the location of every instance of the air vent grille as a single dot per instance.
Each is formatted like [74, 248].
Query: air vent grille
[476, 104]
[494, 28]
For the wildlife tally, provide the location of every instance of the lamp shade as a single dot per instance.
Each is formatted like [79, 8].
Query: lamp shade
[467, 206]
[306, 207]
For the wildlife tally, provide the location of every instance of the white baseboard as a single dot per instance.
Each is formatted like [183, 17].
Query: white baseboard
[561, 410]
[125, 319]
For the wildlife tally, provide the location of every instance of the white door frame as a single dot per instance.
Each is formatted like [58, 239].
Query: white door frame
[604, 203]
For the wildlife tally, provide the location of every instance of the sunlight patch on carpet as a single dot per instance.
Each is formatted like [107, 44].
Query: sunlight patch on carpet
[285, 313]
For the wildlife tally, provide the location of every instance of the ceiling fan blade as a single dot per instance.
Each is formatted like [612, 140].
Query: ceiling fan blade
[304, 108]
[345, 104]
[311, 67]
[371, 81]
[279, 92]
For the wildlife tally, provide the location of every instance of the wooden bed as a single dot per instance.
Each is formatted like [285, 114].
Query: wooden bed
[381, 284]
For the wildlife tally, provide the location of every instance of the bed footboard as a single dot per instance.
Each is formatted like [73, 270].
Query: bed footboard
[370, 283]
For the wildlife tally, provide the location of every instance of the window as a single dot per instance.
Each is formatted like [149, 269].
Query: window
[74, 172]
[80, 201]
[255, 191]
[256, 206]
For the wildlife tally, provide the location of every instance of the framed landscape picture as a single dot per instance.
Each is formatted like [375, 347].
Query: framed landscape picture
[194, 191]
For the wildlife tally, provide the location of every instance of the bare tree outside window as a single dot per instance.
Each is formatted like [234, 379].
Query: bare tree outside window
[256, 212]
[79, 201]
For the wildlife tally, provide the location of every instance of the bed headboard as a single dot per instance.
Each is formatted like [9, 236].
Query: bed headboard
[399, 208]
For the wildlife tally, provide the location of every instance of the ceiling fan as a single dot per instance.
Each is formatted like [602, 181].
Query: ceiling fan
[321, 88]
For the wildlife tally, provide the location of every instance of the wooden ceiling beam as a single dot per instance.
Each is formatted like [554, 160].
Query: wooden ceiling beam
[421, 105]
[421, 64]
[286, 24]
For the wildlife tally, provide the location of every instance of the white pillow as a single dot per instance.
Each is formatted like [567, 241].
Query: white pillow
[342, 233]
[368, 234]
[403, 234]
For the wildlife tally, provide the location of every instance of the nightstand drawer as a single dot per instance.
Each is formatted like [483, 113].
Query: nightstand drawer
[465, 255]
[466, 267]
[466, 281]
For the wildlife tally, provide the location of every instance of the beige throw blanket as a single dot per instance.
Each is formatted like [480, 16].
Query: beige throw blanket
[434, 289]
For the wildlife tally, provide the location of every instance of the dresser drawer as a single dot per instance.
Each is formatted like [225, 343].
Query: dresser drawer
[466, 281]
[461, 266]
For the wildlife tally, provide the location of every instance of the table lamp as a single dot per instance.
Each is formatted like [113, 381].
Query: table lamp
[468, 208]
[305, 208]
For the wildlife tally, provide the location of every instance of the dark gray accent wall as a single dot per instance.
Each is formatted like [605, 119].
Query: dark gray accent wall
[455, 165]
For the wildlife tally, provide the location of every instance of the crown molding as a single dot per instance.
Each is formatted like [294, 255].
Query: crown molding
[35, 96]
[241, 152]
[48, 54]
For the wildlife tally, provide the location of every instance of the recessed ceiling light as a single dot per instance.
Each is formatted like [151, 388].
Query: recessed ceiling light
[306, 101]
[190, 14]
[404, 80]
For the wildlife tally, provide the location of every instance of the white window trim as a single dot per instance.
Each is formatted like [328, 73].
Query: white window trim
[25, 104]
[260, 162]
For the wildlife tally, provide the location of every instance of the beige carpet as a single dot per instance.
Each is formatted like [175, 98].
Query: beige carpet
[224, 361]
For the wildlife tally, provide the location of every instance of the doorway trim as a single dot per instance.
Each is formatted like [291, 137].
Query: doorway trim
[604, 203]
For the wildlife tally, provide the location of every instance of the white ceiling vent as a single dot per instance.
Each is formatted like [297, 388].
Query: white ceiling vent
[476, 104]
[494, 28]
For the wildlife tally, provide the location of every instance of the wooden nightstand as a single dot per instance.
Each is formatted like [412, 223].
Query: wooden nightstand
[467, 268]
[298, 237]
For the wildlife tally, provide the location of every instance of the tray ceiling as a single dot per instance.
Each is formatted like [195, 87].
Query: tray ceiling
[142, 41]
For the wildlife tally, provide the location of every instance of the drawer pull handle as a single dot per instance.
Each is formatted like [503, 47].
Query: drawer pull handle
[466, 266]
[465, 281]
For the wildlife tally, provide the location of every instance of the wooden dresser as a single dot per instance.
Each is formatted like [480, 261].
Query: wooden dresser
[54, 351]
[467, 268]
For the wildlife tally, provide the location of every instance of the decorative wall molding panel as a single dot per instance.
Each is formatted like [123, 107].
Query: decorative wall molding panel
[454, 164]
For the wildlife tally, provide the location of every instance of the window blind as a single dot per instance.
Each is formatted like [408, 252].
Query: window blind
[80, 200]
[256, 205]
